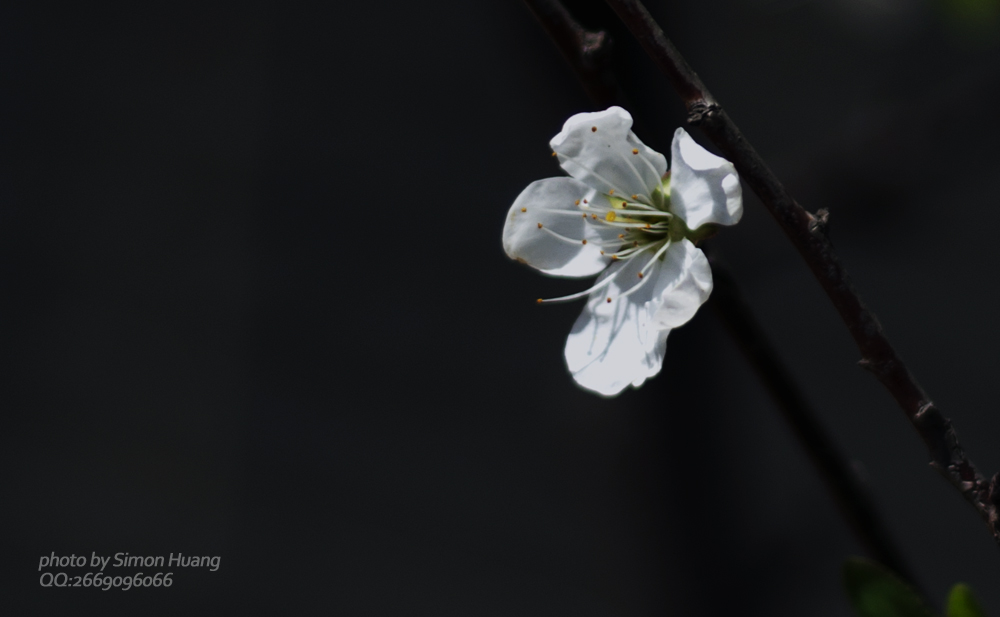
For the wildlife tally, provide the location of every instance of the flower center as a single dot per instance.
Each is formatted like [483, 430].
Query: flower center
[647, 229]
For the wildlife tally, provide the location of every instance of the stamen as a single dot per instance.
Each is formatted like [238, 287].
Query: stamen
[631, 252]
[579, 294]
[611, 192]
[593, 129]
[635, 151]
[610, 216]
[560, 236]
[524, 209]
[584, 240]
[645, 269]
[578, 202]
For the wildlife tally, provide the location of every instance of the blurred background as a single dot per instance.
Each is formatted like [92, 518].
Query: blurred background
[253, 304]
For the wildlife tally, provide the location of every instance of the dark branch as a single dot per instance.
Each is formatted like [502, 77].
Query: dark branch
[808, 234]
[849, 493]
[588, 53]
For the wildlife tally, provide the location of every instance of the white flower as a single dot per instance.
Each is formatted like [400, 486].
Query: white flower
[622, 215]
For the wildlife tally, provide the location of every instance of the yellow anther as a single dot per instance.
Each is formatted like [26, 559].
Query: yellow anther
[635, 151]
[610, 216]
[524, 209]
[648, 226]
[611, 192]
[621, 236]
[578, 202]
[584, 216]
[538, 301]
[634, 197]
[602, 252]
[615, 257]
[593, 216]
[539, 225]
[554, 154]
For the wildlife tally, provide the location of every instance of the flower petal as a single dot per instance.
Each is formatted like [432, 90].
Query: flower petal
[546, 229]
[607, 352]
[610, 157]
[704, 188]
[621, 342]
[682, 285]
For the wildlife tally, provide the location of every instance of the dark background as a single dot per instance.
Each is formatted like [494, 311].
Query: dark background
[253, 304]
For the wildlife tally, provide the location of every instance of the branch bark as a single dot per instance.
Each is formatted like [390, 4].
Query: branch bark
[588, 53]
[808, 233]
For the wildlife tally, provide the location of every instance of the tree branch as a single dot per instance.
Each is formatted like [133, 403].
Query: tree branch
[808, 233]
[588, 53]
[852, 497]
[849, 492]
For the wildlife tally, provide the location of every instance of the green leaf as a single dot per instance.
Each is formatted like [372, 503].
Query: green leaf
[876, 592]
[961, 602]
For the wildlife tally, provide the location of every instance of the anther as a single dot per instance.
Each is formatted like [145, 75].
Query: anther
[609, 300]
[634, 197]
[593, 129]
[615, 257]
[593, 216]
[538, 301]
[524, 209]
[635, 151]
[640, 275]
[578, 202]
[584, 216]
[584, 201]
[602, 252]
[539, 225]
[610, 216]
[584, 240]
[611, 192]
[621, 236]
[554, 154]
[648, 226]
[635, 243]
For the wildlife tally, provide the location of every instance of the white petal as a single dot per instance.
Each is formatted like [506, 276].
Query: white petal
[682, 285]
[607, 352]
[604, 159]
[704, 188]
[552, 203]
[614, 344]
